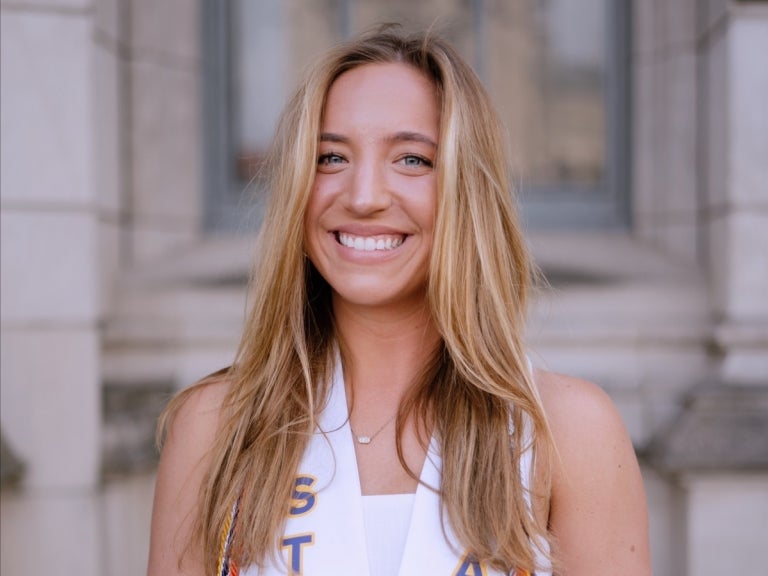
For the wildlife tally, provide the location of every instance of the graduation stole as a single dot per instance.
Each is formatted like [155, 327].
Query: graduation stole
[325, 531]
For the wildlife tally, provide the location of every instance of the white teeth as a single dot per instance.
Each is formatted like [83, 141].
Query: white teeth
[369, 243]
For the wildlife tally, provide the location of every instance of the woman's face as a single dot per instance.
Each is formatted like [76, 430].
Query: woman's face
[371, 213]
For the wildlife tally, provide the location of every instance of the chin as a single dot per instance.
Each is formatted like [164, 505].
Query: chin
[365, 295]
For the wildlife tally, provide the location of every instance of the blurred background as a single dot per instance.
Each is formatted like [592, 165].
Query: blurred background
[132, 133]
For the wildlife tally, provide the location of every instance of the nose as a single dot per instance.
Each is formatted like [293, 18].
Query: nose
[368, 192]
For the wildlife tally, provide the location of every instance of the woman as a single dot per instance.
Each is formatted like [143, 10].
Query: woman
[381, 416]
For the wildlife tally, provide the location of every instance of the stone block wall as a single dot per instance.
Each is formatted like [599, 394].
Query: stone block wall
[715, 457]
[50, 211]
[109, 276]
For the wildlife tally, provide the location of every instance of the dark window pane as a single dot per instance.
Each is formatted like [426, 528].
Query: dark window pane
[550, 66]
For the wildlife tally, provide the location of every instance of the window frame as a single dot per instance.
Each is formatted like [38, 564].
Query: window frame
[232, 205]
[607, 205]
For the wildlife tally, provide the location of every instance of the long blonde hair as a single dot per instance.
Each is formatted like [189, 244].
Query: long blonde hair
[476, 391]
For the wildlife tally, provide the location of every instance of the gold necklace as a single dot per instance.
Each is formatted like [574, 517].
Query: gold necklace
[367, 439]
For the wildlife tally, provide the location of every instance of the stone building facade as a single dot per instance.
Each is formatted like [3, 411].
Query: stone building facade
[115, 291]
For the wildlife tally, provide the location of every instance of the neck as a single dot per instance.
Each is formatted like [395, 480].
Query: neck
[384, 350]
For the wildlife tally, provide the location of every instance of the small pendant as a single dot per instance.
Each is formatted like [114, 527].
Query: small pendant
[363, 439]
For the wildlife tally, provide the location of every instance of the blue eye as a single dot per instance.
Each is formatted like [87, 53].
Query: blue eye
[329, 159]
[415, 161]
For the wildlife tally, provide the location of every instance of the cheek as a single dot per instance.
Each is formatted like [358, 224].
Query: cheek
[426, 207]
[313, 208]
[318, 201]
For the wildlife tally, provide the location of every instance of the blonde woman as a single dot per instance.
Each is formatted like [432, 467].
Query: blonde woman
[381, 416]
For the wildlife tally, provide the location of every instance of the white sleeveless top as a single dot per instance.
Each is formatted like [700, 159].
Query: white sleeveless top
[327, 531]
[387, 518]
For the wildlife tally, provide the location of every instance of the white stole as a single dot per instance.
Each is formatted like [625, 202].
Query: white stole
[325, 531]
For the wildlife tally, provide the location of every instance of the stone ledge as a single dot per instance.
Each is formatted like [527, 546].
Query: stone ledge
[721, 428]
[130, 414]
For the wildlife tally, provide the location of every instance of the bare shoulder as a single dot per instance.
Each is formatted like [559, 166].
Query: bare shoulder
[597, 509]
[578, 409]
[192, 424]
[190, 435]
[197, 412]
[587, 428]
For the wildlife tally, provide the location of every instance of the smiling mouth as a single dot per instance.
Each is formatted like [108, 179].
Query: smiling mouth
[370, 243]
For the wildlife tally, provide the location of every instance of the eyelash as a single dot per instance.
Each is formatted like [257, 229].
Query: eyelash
[324, 159]
[424, 161]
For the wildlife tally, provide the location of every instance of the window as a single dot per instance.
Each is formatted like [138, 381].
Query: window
[555, 69]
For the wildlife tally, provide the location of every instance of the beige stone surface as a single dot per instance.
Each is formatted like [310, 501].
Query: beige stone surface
[151, 241]
[46, 103]
[676, 149]
[48, 262]
[677, 235]
[748, 111]
[166, 145]
[126, 512]
[676, 21]
[644, 186]
[747, 364]
[712, 13]
[716, 119]
[111, 256]
[109, 145]
[666, 511]
[67, 7]
[51, 405]
[727, 524]
[644, 27]
[47, 533]
[109, 20]
[740, 266]
[166, 31]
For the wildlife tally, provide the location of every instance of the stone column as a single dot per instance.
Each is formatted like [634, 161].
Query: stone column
[731, 505]
[164, 164]
[736, 163]
[719, 445]
[50, 407]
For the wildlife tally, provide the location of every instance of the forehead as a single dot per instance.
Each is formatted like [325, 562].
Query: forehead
[373, 95]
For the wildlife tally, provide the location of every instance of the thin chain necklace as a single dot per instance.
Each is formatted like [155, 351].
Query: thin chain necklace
[367, 439]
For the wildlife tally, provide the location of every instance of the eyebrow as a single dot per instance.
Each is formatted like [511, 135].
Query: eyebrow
[403, 136]
[331, 137]
[412, 137]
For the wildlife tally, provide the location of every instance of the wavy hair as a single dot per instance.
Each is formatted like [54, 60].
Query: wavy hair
[477, 390]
